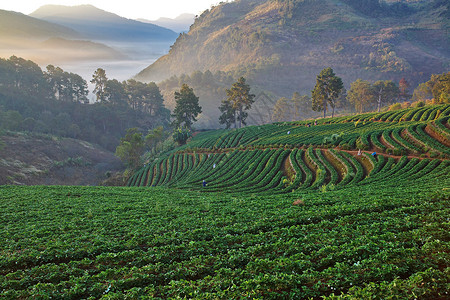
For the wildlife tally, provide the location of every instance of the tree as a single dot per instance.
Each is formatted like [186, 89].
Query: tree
[282, 110]
[69, 87]
[440, 87]
[131, 148]
[228, 116]
[154, 136]
[26, 77]
[422, 92]
[239, 99]
[115, 93]
[99, 79]
[361, 94]
[386, 91]
[403, 85]
[78, 88]
[326, 91]
[181, 135]
[186, 107]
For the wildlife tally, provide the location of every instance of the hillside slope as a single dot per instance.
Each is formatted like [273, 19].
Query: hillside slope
[46, 160]
[280, 44]
[17, 25]
[328, 154]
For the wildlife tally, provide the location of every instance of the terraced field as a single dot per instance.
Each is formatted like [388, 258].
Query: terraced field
[287, 157]
[288, 212]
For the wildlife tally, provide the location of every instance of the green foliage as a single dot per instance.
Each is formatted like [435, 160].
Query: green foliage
[361, 94]
[238, 100]
[387, 240]
[99, 79]
[326, 91]
[131, 148]
[386, 91]
[181, 135]
[439, 85]
[187, 107]
[54, 102]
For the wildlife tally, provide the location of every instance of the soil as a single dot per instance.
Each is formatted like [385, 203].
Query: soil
[27, 159]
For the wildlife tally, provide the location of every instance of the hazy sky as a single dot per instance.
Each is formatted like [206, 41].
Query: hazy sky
[132, 9]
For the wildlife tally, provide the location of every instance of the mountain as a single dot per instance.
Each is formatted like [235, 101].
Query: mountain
[179, 24]
[17, 25]
[47, 43]
[97, 24]
[281, 45]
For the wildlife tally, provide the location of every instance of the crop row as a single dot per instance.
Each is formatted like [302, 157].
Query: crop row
[81, 242]
[386, 137]
[262, 170]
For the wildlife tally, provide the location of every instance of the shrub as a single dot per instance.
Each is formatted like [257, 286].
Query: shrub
[395, 106]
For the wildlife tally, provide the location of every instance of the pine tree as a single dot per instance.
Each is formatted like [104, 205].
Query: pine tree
[239, 99]
[186, 108]
[327, 90]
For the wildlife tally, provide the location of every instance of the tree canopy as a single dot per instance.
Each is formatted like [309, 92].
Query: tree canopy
[327, 89]
[186, 108]
[55, 102]
[238, 99]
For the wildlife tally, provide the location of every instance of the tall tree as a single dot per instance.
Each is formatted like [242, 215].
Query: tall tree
[361, 94]
[186, 107]
[228, 116]
[240, 99]
[326, 91]
[79, 88]
[386, 92]
[99, 79]
[403, 85]
[115, 92]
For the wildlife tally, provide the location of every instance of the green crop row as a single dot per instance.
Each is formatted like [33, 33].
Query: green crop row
[94, 242]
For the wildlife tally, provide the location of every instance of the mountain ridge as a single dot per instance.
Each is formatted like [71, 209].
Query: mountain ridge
[273, 41]
[15, 24]
[96, 23]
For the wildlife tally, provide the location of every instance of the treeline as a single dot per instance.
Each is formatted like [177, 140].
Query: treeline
[363, 96]
[55, 102]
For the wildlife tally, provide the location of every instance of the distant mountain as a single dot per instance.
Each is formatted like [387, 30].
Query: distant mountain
[17, 25]
[179, 24]
[97, 24]
[47, 43]
[282, 45]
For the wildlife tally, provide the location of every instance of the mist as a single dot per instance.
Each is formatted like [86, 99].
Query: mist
[120, 60]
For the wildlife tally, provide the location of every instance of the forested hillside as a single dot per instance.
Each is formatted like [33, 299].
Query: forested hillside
[277, 45]
[55, 102]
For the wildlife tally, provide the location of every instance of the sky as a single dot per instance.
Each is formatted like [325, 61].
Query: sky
[132, 9]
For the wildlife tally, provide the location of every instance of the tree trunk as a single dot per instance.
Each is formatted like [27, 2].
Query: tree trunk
[324, 110]
[379, 103]
[379, 99]
[332, 113]
[240, 117]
